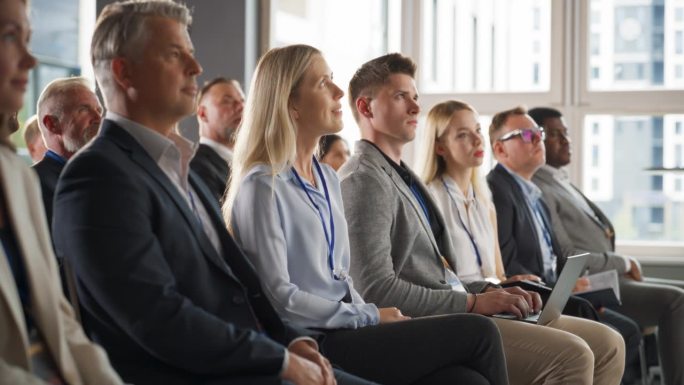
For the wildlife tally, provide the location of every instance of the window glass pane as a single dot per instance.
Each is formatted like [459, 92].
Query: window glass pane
[327, 25]
[619, 161]
[635, 45]
[485, 45]
[55, 30]
[60, 41]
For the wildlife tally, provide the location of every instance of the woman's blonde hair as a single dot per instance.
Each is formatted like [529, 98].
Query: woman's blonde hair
[431, 165]
[268, 134]
[6, 129]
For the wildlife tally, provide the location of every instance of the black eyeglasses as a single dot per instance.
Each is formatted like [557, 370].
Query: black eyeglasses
[528, 135]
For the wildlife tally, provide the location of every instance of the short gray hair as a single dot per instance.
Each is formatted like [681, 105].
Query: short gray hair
[121, 26]
[48, 99]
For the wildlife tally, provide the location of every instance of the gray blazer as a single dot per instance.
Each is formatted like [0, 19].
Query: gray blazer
[577, 230]
[395, 259]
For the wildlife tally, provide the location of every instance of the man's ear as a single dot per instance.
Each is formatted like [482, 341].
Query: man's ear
[498, 150]
[52, 124]
[121, 72]
[363, 107]
[202, 113]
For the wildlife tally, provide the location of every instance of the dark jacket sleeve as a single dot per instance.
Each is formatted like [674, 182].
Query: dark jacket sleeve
[106, 228]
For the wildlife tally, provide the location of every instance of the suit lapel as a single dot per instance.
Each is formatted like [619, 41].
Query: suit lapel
[403, 188]
[139, 156]
[520, 200]
[600, 218]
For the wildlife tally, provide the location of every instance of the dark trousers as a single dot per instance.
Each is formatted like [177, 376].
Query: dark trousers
[459, 348]
[344, 378]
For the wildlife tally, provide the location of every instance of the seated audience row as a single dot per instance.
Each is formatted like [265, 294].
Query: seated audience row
[307, 276]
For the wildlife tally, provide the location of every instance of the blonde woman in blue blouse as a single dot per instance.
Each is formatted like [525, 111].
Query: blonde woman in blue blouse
[452, 152]
[285, 211]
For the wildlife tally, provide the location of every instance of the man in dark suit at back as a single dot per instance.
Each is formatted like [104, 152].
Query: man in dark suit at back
[219, 113]
[581, 223]
[69, 115]
[163, 287]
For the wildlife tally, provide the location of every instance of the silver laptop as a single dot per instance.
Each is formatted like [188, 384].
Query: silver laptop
[559, 295]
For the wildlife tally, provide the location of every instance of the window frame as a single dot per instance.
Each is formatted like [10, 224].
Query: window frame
[568, 91]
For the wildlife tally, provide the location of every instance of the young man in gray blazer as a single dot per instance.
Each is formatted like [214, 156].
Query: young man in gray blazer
[579, 222]
[402, 257]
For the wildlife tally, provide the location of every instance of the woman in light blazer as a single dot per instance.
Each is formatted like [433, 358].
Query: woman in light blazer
[40, 340]
[285, 210]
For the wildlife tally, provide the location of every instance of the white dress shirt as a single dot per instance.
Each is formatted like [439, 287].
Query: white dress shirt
[172, 154]
[533, 195]
[476, 219]
[223, 151]
[281, 231]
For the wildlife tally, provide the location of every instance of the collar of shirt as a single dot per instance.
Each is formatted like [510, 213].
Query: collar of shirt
[399, 168]
[56, 157]
[559, 174]
[456, 192]
[173, 150]
[223, 151]
[529, 189]
[287, 175]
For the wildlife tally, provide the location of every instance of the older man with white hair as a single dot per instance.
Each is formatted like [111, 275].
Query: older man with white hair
[69, 116]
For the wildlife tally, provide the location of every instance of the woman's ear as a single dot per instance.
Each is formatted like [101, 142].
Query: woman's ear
[440, 149]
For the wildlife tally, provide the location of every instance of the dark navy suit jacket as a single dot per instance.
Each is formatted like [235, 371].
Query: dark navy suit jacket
[155, 293]
[48, 170]
[518, 238]
[213, 170]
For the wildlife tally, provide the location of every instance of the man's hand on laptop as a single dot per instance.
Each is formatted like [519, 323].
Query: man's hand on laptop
[513, 300]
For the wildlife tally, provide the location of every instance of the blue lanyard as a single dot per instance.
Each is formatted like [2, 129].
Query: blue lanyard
[542, 224]
[56, 157]
[470, 235]
[421, 201]
[329, 237]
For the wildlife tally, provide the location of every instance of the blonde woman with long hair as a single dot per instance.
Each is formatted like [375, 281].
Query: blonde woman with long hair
[452, 153]
[285, 211]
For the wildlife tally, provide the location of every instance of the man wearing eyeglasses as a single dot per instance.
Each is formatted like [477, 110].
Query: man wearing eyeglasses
[527, 244]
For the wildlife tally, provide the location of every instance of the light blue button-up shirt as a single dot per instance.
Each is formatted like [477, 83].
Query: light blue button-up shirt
[532, 195]
[281, 232]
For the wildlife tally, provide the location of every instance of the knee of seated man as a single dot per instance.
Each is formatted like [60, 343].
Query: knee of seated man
[576, 352]
[611, 344]
[472, 323]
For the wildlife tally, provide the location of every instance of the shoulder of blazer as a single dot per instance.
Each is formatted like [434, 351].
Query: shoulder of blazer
[543, 176]
[499, 176]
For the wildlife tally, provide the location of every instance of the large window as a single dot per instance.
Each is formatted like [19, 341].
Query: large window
[486, 45]
[348, 32]
[615, 68]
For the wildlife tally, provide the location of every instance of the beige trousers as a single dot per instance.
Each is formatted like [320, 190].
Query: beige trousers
[569, 350]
